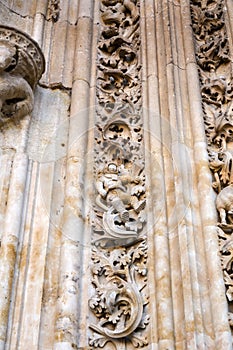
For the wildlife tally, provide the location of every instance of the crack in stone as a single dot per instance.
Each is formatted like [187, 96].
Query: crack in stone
[43, 15]
[176, 65]
[55, 86]
[16, 13]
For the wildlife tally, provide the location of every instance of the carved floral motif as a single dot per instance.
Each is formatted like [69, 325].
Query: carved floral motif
[215, 69]
[119, 302]
[119, 254]
[21, 66]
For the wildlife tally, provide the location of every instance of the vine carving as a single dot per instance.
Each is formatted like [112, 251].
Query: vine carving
[119, 302]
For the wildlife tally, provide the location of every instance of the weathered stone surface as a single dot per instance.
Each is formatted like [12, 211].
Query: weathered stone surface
[108, 221]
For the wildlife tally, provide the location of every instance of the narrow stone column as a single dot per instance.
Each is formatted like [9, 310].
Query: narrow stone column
[159, 269]
[207, 106]
[67, 318]
[21, 66]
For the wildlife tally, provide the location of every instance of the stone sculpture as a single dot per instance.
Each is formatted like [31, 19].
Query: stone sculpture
[112, 185]
[16, 96]
[224, 203]
[119, 244]
[121, 197]
[21, 66]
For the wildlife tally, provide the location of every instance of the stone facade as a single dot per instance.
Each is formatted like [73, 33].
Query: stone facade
[116, 169]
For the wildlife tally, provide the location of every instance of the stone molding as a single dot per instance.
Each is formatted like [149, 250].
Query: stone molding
[21, 66]
[215, 72]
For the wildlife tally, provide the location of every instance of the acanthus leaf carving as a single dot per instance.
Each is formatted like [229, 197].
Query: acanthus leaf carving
[119, 251]
[119, 278]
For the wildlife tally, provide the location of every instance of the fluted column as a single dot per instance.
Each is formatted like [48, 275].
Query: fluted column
[22, 65]
[69, 306]
[177, 143]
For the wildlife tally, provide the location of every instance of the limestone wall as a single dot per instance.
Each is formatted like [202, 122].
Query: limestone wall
[51, 163]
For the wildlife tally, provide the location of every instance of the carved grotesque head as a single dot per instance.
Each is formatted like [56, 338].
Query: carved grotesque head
[7, 55]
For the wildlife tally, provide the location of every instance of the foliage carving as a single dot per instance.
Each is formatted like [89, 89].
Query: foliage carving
[119, 254]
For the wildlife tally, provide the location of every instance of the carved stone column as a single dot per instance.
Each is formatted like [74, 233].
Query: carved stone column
[21, 66]
[119, 254]
[213, 55]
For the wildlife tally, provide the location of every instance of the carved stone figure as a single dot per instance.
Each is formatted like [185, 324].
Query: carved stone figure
[16, 96]
[21, 66]
[112, 186]
[224, 203]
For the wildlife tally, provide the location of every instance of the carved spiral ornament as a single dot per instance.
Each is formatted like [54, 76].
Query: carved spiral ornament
[119, 254]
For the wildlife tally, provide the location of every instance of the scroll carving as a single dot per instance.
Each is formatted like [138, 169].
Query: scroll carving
[119, 278]
[215, 69]
[21, 66]
[119, 253]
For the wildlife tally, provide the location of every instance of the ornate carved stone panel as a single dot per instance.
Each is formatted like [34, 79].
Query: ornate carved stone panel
[21, 66]
[119, 252]
[215, 70]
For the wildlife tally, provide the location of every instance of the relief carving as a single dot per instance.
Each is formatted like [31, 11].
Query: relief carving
[121, 195]
[53, 11]
[21, 66]
[215, 70]
[119, 278]
[119, 255]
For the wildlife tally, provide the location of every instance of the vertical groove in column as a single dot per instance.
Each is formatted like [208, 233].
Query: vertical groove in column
[163, 298]
[21, 270]
[174, 202]
[10, 238]
[185, 201]
[67, 317]
[39, 21]
[152, 144]
[60, 58]
[214, 283]
[85, 273]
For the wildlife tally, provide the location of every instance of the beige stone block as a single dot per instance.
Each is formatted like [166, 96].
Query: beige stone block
[48, 132]
[57, 53]
[24, 9]
[69, 57]
[15, 20]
